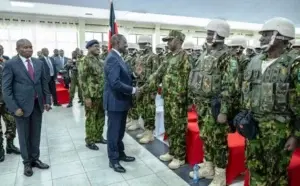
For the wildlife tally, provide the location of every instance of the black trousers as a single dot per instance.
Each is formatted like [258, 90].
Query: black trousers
[29, 131]
[52, 88]
[115, 135]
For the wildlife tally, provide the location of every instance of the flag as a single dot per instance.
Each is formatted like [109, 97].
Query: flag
[113, 27]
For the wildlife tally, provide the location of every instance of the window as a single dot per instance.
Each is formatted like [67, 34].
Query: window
[3, 34]
[98, 36]
[48, 35]
[66, 36]
[132, 38]
[198, 40]
[89, 36]
[105, 36]
[195, 41]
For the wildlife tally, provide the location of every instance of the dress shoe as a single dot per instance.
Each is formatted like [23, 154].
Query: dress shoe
[127, 158]
[2, 155]
[117, 167]
[69, 105]
[79, 101]
[39, 164]
[57, 105]
[102, 141]
[92, 146]
[11, 148]
[28, 170]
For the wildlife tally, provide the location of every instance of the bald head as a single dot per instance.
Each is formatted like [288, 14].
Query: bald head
[24, 48]
[119, 43]
[45, 52]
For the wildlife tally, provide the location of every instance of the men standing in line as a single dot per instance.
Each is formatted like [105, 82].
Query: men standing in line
[295, 51]
[130, 59]
[72, 69]
[271, 93]
[253, 50]
[91, 77]
[9, 121]
[160, 52]
[211, 85]
[117, 101]
[26, 94]
[104, 48]
[188, 47]
[51, 73]
[62, 60]
[146, 60]
[173, 73]
[197, 52]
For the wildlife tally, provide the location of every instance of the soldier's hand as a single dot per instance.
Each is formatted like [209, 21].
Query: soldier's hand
[47, 107]
[19, 112]
[291, 144]
[222, 118]
[88, 102]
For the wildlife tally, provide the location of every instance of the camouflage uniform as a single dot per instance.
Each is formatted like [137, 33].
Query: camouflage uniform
[147, 60]
[189, 47]
[273, 97]
[10, 125]
[173, 73]
[103, 55]
[211, 86]
[295, 50]
[74, 81]
[91, 73]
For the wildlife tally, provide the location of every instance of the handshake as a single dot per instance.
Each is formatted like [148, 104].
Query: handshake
[138, 91]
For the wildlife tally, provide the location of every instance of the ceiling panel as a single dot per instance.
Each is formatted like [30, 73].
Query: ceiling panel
[254, 11]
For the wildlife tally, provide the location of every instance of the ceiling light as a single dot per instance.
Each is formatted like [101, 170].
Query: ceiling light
[21, 4]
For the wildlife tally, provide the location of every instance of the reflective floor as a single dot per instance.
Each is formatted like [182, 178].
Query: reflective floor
[72, 164]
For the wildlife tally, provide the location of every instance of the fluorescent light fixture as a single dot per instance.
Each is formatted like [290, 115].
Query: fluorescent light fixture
[21, 4]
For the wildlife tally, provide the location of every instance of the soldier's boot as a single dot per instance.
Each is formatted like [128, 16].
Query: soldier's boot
[11, 148]
[166, 157]
[206, 171]
[70, 104]
[176, 163]
[2, 152]
[128, 124]
[135, 125]
[140, 135]
[92, 146]
[148, 137]
[219, 178]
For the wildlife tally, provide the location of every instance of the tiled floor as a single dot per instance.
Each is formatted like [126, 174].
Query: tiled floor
[72, 164]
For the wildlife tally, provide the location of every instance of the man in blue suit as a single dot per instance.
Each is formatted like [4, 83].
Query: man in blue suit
[117, 101]
[26, 94]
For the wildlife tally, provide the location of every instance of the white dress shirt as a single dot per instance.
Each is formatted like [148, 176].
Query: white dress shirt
[133, 88]
[25, 63]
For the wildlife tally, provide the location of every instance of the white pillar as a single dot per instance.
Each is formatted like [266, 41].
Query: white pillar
[156, 37]
[81, 33]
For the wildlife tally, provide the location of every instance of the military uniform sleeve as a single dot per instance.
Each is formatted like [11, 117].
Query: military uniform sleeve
[184, 71]
[295, 97]
[228, 84]
[84, 73]
[156, 78]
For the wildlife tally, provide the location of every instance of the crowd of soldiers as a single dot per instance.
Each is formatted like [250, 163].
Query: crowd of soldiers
[252, 89]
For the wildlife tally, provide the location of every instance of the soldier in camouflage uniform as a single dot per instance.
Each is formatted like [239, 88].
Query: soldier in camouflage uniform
[173, 73]
[104, 48]
[189, 48]
[295, 51]
[271, 92]
[211, 85]
[160, 52]
[253, 50]
[10, 124]
[91, 74]
[71, 67]
[197, 51]
[130, 59]
[146, 60]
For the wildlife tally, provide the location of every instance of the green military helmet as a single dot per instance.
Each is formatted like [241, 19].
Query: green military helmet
[188, 47]
[198, 48]
[161, 46]
[133, 46]
[253, 48]
[221, 27]
[238, 44]
[174, 34]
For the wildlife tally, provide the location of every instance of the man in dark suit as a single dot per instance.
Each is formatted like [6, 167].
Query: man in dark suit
[26, 95]
[117, 101]
[51, 73]
[2, 57]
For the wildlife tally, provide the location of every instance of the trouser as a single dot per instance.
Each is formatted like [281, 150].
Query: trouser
[214, 136]
[52, 88]
[74, 84]
[175, 125]
[146, 108]
[94, 122]
[10, 124]
[115, 134]
[29, 131]
[133, 112]
[267, 161]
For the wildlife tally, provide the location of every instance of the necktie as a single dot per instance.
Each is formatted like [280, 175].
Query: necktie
[30, 69]
[50, 67]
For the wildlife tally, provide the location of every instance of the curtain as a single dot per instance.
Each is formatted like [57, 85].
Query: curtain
[51, 35]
